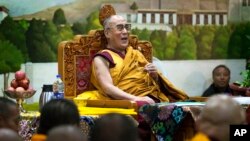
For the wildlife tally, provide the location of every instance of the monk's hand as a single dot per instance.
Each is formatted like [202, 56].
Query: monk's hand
[146, 99]
[152, 70]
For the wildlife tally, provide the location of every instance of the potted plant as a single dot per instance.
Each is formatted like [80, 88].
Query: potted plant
[242, 87]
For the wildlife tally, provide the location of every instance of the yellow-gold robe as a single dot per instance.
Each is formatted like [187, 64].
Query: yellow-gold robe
[129, 75]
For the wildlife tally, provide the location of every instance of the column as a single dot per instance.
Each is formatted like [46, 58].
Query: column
[174, 19]
[166, 19]
[139, 18]
[29, 74]
[157, 18]
[148, 18]
[194, 19]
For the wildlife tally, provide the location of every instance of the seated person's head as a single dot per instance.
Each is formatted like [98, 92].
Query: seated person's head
[9, 114]
[219, 112]
[114, 127]
[221, 76]
[7, 134]
[66, 133]
[58, 112]
[116, 30]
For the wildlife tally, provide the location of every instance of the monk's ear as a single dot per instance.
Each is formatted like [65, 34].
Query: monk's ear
[106, 33]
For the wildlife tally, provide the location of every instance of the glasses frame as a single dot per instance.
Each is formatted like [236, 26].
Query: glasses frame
[120, 27]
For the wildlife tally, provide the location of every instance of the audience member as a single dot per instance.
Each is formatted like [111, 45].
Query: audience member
[54, 113]
[9, 114]
[221, 78]
[114, 127]
[215, 118]
[66, 133]
[7, 134]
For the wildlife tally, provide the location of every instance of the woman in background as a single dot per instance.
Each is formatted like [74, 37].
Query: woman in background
[221, 78]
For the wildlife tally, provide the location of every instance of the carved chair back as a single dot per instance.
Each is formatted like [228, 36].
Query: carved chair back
[75, 57]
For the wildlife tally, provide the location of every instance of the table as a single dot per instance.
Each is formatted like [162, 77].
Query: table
[171, 121]
[30, 121]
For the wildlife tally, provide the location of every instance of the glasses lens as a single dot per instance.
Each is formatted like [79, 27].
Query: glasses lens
[128, 27]
[120, 27]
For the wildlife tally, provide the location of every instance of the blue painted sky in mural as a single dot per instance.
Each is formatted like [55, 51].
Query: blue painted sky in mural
[23, 7]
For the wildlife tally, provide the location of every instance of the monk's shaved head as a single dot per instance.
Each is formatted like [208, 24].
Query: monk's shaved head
[219, 113]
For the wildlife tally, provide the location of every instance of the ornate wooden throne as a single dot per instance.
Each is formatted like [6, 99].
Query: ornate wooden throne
[75, 56]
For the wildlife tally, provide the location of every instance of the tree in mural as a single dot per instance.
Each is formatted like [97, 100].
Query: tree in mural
[157, 38]
[59, 17]
[79, 28]
[51, 36]
[135, 31]
[220, 43]
[65, 32]
[204, 42]
[13, 31]
[186, 48]
[246, 42]
[11, 59]
[58, 32]
[134, 6]
[93, 21]
[144, 34]
[38, 48]
[141, 34]
[43, 37]
[236, 41]
[171, 44]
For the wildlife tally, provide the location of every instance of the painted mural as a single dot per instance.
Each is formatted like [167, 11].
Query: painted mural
[178, 29]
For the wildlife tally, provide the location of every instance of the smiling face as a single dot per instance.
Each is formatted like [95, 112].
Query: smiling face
[117, 33]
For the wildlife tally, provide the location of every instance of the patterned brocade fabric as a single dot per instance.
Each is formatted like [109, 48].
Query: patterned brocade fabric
[163, 120]
[29, 125]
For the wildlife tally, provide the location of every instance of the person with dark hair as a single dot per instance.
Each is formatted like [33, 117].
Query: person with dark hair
[220, 85]
[114, 127]
[54, 113]
[9, 114]
[7, 134]
[66, 133]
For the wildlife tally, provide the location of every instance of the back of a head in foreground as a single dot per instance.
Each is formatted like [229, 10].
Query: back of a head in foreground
[58, 112]
[219, 113]
[9, 135]
[114, 127]
[9, 114]
[66, 133]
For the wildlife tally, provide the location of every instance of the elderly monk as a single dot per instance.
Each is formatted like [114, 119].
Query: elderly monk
[219, 113]
[121, 72]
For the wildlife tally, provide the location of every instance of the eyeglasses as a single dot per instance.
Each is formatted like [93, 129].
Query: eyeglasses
[120, 27]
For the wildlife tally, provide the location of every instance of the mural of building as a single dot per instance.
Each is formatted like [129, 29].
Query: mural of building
[167, 13]
[3, 13]
[239, 10]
